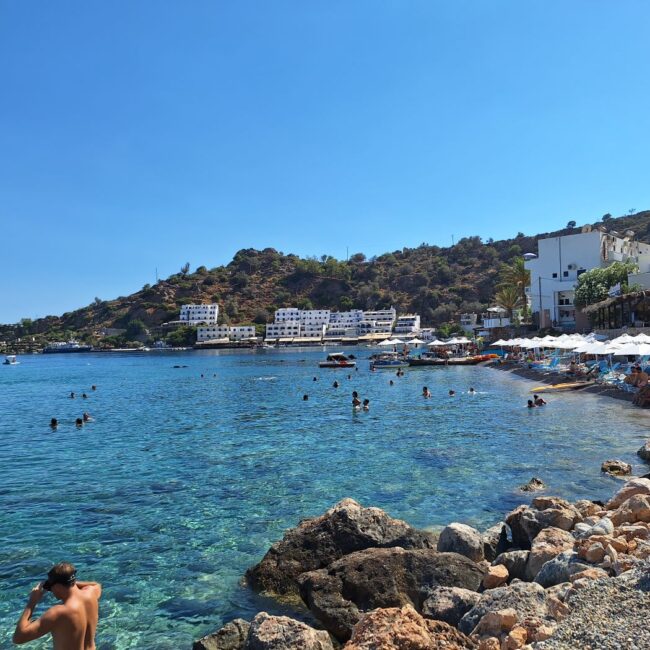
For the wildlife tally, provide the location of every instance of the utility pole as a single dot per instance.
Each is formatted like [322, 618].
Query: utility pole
[452, 240]
[156, 275]
[347, 253]
[539, 282]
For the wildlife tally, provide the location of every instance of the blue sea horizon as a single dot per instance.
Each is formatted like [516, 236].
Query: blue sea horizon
[182, 481]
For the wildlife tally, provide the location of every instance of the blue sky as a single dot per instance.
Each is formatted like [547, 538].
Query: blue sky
[141, 135]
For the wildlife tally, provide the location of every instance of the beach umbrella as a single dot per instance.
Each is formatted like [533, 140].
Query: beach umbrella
[387, 342]
[642, 338]
[437, 343]
[415, 341]
[396, 342]
[500, 342]
[630, 349]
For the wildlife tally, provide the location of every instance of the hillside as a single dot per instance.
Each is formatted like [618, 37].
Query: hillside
[439, 283]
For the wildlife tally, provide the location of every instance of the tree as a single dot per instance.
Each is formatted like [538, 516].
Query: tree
[97, 301]
[183, 336]
[593, 286]
[509, 298]
[516, 275]
[571, 225]
[135, 328]
[185, 269]
[358, 258]
[607, 217]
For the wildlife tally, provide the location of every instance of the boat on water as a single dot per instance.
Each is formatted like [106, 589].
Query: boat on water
[556, 388]
[428, 359]
[10, 360]
[337, 360]
[388, 361]
[66, 346]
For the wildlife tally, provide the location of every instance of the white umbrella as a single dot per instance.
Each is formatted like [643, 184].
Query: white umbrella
[396, 342]
[642, 338]
[500, 342]
[415, 341]
[437, 343]
[387, 342]
[630, 349]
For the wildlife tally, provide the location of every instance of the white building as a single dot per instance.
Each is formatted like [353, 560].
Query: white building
[381, 315]
[222, 332]
[197, 314]
[468, 322]
[561, 260]
[407, 324]
[284, 330]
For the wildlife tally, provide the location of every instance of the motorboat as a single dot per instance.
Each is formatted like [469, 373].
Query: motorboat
[10, 360]
[337, 360]
[428, 359]
[388, 361]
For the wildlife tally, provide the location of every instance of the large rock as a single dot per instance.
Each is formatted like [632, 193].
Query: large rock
[372, 578]
[515, 562]
[283, 633]
[631, 487]
[534, 485]
[644, 452]
[317, 542]
[636, 508]
[495, 541]
[526, 522]
[549, 543]
[528, 599]
[461, 539]
[232, 636]
[449, 604]
[616, 468]
[560, 569]
[404, 629]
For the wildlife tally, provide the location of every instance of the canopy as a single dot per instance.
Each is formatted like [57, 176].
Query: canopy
[629, 349]
[437, 342]
[415, 341]
[387, 342]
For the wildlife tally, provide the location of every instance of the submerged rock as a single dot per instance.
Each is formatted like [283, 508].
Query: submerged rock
[616, 468]
[317, 542]
[390, 577]
[461, 539]
[404, 629]
[232, 636]
[534, 485]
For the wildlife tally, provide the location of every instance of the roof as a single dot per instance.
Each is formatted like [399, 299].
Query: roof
[608, 302]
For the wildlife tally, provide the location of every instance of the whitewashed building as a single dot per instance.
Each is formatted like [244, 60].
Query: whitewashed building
[222, 332]
[407, 324]
[468, 322]
[197, 314]
[560, 261]
[284, 330]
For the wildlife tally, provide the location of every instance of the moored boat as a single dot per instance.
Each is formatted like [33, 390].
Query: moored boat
[431, 360]
[66, 346]
[337, 360]
[10, 360]
[388, 361]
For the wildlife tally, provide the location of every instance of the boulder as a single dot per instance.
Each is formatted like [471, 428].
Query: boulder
[604, 526]
[590, 574]
[636, 508]
[526, 598]
[232, 636]
[404, 629]
[461, 539]
[644, 452]
[515, 562]
[631, 487]
[387, 577]
[496, 576]
[560, 569]
[317, 542]
[587, 508]
[283, 633]
[494, 623]
[449, 604]
[616, 468]
[495, 541]
[516, 638]
[526, 523]
[534, 485]
[549, 543]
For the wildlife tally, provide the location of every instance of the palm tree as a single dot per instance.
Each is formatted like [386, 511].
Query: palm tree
[516, 275]
[509, 298]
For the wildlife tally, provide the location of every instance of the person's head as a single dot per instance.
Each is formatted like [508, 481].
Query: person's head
[391, 382]
[60, 578]
[452, 392]
[535, 397]
[335, 384]
[425, 389]
[85, 396]
[93, 387]
[305, 398]
[366, 402]
[54, 423]
[530, 403]
[315, 379]
[355, 394]
[86, 417]
[471, 389]
[78, 422]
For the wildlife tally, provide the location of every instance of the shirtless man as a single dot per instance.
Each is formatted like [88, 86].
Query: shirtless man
[73, 623]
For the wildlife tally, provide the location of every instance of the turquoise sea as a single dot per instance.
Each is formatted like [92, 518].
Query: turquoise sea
[181, 481]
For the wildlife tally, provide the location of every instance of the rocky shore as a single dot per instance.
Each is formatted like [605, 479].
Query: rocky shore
[553, 575]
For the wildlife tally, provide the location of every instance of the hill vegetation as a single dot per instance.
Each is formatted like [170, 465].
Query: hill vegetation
[437, 282]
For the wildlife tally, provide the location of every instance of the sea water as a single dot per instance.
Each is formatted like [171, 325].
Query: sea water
[187, 475]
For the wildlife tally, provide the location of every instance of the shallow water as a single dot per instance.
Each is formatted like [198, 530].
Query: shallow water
[181, 482]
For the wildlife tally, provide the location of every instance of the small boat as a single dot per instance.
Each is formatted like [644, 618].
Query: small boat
[431, 360]
[388, 361]
[573, 385]
[66, 346]
[337, 360]
[10, 360]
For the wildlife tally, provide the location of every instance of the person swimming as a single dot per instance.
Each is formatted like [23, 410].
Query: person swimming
[366, 404]
[71, 395]
[84, 395]
[391, 383]
[93, 387]
[452, 393]
[426, 392]
[86, 417]
[315, 379]
[531, 404]
[54, 423]
[305, 398]
[356, 402]
[471, 391]
[539, 401]
[79, 422]
[335, 384]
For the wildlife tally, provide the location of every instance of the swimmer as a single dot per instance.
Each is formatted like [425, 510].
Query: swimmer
[79, 422]
[86, 417]
[452, 393]
[315, 379]
[349, 376]
[356, 402]
[366, 404]
[54, 423]
[531, 404]
[426, 392]
[471, 391]
[305, 398]
[335, 384]
[391, 383]
[201, 375]
[84, 395]
[539, 401]
[93, 387]
[71, 395]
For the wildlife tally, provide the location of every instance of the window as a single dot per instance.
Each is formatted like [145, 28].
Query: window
[555, 275]
[566, 274]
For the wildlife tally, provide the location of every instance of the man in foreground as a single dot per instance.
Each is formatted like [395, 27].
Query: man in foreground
[72, 623]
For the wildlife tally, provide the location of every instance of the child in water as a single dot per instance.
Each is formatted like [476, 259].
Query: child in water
[426, 392]
[366, 404]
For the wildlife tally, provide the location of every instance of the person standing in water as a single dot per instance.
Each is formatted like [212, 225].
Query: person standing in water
[426, 392]
[72, 623]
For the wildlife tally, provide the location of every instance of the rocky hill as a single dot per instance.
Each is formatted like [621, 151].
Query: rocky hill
[437, 282]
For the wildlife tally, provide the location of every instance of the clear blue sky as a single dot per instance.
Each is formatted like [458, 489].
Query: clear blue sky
[136, 135]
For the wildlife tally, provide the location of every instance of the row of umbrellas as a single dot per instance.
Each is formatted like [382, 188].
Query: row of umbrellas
[624, 345]
[435, 343]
